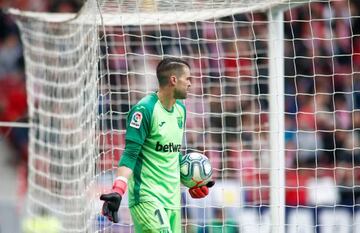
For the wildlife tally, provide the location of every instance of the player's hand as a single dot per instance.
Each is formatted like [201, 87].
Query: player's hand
[202, 191]
[111, 206]
[112, 200]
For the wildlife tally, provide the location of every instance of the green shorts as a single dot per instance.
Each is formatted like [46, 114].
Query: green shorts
[152, 217]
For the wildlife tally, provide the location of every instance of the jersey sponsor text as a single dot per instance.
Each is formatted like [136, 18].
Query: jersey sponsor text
[171, 147]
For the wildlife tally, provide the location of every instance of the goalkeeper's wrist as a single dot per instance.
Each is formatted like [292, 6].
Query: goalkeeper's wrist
[120, 185]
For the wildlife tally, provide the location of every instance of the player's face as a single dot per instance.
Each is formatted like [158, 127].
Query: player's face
[183, 84]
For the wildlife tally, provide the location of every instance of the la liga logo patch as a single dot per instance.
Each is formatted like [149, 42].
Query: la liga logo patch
[136, 120]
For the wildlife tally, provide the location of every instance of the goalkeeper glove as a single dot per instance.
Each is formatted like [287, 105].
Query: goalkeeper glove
[112, 200]
[202, 191]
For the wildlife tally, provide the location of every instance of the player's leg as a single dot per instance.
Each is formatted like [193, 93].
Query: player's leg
[150, 217]
[174, 219]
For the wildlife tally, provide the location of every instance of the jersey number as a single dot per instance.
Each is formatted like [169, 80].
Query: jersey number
[157, 213]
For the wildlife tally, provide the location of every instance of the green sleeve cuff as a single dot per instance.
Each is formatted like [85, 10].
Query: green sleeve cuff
[130, 155]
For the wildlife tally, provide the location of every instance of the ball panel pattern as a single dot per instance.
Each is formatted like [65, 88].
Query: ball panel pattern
[195, 170]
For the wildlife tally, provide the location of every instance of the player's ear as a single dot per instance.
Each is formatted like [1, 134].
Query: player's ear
[173, 80]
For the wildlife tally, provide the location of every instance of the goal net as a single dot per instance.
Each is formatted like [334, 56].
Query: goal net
[85, 71]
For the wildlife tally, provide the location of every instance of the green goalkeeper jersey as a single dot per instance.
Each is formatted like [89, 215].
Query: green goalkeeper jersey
[156, 174]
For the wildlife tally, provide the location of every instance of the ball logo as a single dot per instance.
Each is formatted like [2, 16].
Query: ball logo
[136, 120]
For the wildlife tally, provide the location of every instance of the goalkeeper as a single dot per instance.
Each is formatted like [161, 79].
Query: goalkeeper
[149, 167]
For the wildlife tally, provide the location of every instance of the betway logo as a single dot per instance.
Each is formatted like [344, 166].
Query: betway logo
[171, 147]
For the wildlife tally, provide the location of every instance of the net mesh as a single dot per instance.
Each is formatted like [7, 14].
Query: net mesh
[61, 68]
[83, 79]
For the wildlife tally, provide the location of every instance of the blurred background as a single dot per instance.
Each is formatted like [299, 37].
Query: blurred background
[322, 87]
[13, 108]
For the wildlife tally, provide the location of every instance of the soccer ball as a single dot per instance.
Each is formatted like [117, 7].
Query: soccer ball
[195, 170]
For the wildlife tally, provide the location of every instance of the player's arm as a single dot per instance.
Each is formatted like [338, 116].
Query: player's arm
[137, 130]
[113, 199]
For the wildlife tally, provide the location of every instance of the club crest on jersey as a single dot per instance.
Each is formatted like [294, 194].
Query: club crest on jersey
[180, 122]
[136, 120]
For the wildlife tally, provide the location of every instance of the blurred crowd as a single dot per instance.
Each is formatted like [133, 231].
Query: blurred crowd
[228, 106]
[13, 101]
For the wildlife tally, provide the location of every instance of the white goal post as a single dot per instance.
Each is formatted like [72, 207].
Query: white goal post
[250, 60]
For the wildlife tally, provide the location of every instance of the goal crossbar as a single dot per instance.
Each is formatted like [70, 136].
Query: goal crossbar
[118, 17]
